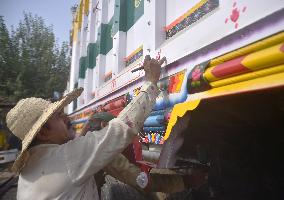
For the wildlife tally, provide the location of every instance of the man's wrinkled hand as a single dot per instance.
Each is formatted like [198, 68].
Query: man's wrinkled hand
[152, 69]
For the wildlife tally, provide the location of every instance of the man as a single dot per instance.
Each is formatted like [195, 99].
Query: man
[120, 167]
[52, 166]
[125, 171]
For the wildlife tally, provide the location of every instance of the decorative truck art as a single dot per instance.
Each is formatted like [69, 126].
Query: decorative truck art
[224, 78]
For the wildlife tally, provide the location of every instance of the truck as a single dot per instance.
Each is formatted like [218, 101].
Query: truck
[219, 117]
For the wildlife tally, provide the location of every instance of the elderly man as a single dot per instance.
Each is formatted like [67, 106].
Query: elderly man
[51, 165]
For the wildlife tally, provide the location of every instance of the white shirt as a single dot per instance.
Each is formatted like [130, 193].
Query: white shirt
[66, 171]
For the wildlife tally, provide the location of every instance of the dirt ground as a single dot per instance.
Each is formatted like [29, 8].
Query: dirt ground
[7, 191]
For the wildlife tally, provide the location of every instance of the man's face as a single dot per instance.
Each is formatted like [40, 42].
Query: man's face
[56, 130]
[69, 126]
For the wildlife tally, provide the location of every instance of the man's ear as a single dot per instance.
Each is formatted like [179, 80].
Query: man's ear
[104, 124]
[43, 135]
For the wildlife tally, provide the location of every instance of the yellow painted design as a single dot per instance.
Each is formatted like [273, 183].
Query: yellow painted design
[271, 56]
[208, 74]
[178, 111]
[265, 43]
[75, 31]
[189, 12]
[248, 76]
[274, 80]
[77, 22]
[86, 7]
[261, 59]
[79, 126]
[134, 52]
[153, 137]
[137, 3]
[180, 76]
[79, 16]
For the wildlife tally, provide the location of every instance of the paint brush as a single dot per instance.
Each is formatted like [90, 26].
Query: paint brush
[142, 67]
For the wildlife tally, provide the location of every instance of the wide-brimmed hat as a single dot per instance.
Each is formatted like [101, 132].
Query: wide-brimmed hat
[27, 118]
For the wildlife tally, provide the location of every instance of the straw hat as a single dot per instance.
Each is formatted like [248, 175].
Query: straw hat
[28, 116]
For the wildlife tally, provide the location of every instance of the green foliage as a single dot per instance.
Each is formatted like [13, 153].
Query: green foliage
[31, 63]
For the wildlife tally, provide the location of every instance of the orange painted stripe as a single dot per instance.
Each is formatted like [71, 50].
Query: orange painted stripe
[133, 53]
[189, 12]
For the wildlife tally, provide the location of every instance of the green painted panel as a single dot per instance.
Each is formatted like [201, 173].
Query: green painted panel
[101, 46]
[135, 9]
[91, 55]
[104, 41]
[82, 67]
[109, 41]
[119, 21]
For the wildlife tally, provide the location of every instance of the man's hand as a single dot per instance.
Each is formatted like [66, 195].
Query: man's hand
[152, 69]
[91, 124]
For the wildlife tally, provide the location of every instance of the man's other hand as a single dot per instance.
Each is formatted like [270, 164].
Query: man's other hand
[152, 68]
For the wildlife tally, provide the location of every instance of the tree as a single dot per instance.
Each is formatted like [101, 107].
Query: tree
[8, 64]
[33, 64]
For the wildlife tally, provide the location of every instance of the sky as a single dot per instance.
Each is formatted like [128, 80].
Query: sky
[54, 12]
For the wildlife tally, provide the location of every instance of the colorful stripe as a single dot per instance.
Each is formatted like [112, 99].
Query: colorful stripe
[248, 76]
[265, 82]
[135, 55]
[265, 58]
[268, 57]
[175, 82]
[262, 44]
[189, 12]
[193, 15]
[228, 68]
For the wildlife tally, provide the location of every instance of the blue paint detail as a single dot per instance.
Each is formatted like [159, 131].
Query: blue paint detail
[158, 112]
[165, 100]
[154, 129]
[158, 139]
[157, 120]
[79, 121]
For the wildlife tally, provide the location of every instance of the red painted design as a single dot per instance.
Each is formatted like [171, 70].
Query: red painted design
[282, 48]
[158, 56]
[196, 74]
[236, 25]
[230, 68]
[113, 84]
[172, 84]
[235, 14]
